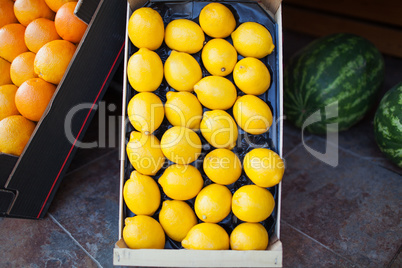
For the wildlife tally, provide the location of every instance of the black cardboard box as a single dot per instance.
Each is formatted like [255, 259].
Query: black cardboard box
[28, 183]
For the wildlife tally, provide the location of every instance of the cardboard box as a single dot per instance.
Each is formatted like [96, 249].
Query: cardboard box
[29, 183]
[272, 257]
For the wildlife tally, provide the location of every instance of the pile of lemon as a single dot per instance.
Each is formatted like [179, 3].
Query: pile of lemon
[197, 226]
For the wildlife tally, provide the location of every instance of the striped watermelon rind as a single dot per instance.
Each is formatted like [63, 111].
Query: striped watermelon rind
[339, 67]
[388, 125]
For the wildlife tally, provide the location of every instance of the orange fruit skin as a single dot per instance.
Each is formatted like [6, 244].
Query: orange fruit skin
[29, 10]
[15, 132]
[22, 68]
[5, 77]
[7, 15]
[56, 4]
[12, 41]
[7, 102]
[32, 98]
[52, 60]
[40, 32]
[69, 26]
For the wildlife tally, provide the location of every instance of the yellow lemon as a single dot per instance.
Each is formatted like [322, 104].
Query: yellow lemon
[251, 76]
[15, 132]
[206, 236]
[177, 218]
[251, 39]
[146, 28]
[249, 236]
[7, 101]
[216, 20]
[222, 166]
[144, 153]
[216, 92]
[219, 57]
[181, 145]
[251, 203]
[183, 109]
[219, 129]
[264, 167]
[145, 70]
[213, 203]
[145, 112]
[143, 232]
[181, 182]
[252, 114]
[141, 194]
[182, 71]
[184, 35]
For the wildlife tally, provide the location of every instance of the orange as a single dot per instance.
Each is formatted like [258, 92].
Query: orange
[32, 98]
[22, 68]
[7, 13]
[52, 60]
[15, 132]
[56, 4]
[69, 26]
[40, 32]
[5, 72]
[29, 10]
[7, 103]
[12, 41]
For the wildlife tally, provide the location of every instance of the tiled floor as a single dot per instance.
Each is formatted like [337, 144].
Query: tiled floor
[344, 216]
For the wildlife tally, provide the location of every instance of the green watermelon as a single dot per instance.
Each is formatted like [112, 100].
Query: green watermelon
[342, 71]
[388, 124]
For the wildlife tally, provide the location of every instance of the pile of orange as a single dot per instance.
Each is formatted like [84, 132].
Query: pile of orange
[38, 39]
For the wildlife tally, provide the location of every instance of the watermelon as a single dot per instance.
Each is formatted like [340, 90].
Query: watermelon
[333, 81]
[388, 125]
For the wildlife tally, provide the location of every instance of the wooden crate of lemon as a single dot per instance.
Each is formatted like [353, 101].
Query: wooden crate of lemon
[201, 150]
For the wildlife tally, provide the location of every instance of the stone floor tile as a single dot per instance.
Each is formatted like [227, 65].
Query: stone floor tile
[38, 243]
[397, 262]
[354, 209]
[301, 251]
[87, 206]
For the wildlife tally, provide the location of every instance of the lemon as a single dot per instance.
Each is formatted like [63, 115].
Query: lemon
[183, 109]
[264, 167]
[216, 92]
[146, 28]
[213, 203]
[145, 112]
[15, 132]
[251, 203]
[182, 71]
[177, 218]
[219, 129]
[185, 36]
[222, 166]
[251, 76]
[206, 236]
[252, 114]
[216, 20]
[181, 182]
[219, 57]
[249, 236]
[141, 194]
[145, 70]
[251, 39]
[143, 232]
[144, 153]
[181, 145]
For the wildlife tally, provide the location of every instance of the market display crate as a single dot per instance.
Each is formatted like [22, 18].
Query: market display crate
[267, 13]
[28, 183]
